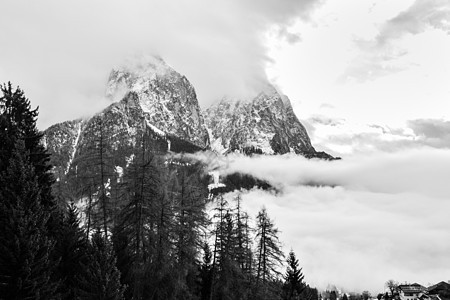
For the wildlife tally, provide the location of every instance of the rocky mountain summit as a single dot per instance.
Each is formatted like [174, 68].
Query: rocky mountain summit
[154, 98]
[264, 124]
[166, 97]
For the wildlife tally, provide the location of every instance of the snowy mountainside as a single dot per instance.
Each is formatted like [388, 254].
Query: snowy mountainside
[265, 124]
[166, 97]
[61, 140]
[157, 100]
[161, 102]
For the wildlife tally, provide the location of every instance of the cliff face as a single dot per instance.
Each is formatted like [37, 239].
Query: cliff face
[265, 124]
[154, 99]
[167, 99]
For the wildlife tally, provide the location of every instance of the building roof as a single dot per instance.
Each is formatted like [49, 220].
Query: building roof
[429, 297]
[441, 285]
[414, 288]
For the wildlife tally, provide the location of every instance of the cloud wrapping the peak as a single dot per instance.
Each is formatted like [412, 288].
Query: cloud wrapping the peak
[61, 53]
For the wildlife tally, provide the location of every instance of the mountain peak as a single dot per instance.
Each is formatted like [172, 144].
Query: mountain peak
[151, 95]
[146, 66]
[167, 98]
[148, 95]
[269, 90]
[264, 124]
[134, 72]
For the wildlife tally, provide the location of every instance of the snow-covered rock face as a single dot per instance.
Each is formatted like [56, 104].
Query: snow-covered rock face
[266, 124]
[61, 140]
[166, 97]
[155, 99]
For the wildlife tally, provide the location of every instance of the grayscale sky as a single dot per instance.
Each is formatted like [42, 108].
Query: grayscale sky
[369, 79]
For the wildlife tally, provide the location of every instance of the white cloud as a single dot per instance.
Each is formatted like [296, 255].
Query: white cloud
[342, 61]
[61, 53]
[358, 239]
[422, 13]
[385, 217]
[341, 137]
[424, 171]
[383, 55]
[434, 132]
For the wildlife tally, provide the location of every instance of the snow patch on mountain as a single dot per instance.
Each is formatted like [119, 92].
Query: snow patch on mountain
[77, 138]
[216, 181]
[133, 74]
[156, 130]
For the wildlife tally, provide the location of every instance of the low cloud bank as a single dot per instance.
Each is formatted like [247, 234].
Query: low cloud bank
[367, 219]
[425, 171]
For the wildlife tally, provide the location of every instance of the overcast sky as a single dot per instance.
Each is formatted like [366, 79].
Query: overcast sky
[369, 79]
[374, 61]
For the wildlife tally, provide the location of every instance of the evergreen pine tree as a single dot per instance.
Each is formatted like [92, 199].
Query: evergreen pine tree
[310, 293]
[189, 198]
[244, 255]
[100, 278]
[25, 248]
[205, 273]
[124, 261]
[268, 256]
[229, 275]
[137, 222]
[294, 284]
[71, 247]
[219, 230]
[229, 278]
[92, 171]
[18, 122]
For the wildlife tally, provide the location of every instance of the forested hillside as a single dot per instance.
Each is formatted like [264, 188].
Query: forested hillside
[148, 230]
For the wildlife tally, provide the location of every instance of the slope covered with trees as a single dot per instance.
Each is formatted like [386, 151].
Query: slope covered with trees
[139, 232]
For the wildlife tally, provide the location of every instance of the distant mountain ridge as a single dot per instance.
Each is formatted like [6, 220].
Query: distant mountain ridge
[156, 98]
